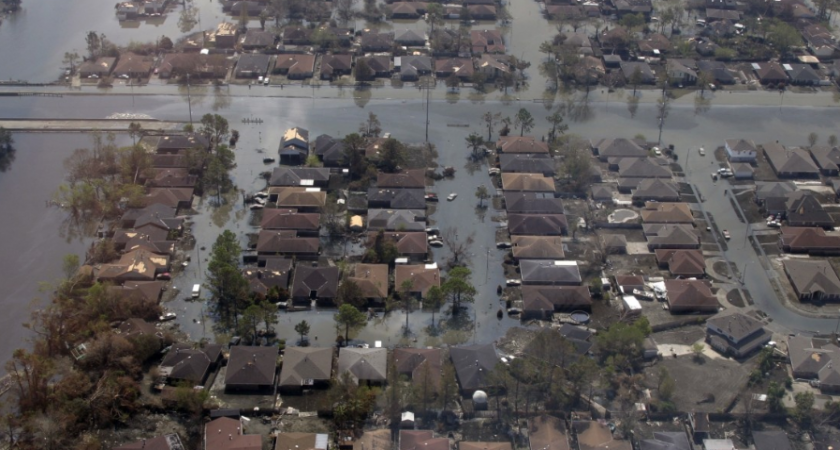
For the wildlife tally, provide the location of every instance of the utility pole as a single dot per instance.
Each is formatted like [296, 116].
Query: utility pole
[189, 99]
[428, 100]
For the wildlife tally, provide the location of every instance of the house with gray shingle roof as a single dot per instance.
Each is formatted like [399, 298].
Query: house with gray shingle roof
[305, 367]
[656, 189]
[790, 162]
[251, 367]
[740, 150]
[549, 272]
[365, 365]
[810, 358]
[813, 279]
[736, 334]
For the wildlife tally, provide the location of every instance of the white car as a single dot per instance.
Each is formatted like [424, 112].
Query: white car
[451, 196]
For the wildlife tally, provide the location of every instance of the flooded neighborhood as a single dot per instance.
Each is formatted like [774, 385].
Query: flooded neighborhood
[476, 225]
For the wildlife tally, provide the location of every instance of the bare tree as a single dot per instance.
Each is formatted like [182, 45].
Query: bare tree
[459, 245]
[663, 107]
[344, 10]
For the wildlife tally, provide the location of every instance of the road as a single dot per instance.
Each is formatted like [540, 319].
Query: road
[70, 125]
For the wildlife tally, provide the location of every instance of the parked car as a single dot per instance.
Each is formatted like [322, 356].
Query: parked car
[513, 282]
[432, 197]
[494, 171]
[451, 196]
[168, 316]
[503, 245]
[726, 235]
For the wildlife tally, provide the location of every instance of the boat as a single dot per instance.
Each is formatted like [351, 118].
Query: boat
[514, 311]
[257, 206]
[513, 282]
[268, 160]
[436, 243]
[451, 196]
[431, 197]
[261, 195]
[503, 245]
[168, 316]
[432, 230]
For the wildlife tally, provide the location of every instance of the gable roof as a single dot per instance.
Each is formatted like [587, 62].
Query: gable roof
[296, 64]
[642, 168]
[183, 362]
[397, 198]
[171, 197]
[409, 36]
[527, 163]
[473, 364]
[537, 247]
[803, 208]
[423, 277]
[529, 182]
[299, 176]
[618, 148]
[397, 219]
[414, 361]
[298, 197]
[790, 161]
[372, 279]
[225, 433]
[251, 366]
[737, 326]
[487, 41]
[301, 365]
[537, 224]
[682, 262]
[286, 242]
[656, 188]
[363, 364]
[765, 189]
[280, 219]
[422, 440]
[165, 442]
[594, 435]
[521, 144]
[827, 157]
[670, 235]
[549, 272]
[322, 280]
[412, 178]
[690, 295]
[532, 203]
[667, 213]
[552, 298]
[301, 441]
[332, 63]
[808, 238]
[810, 276]
[770, 71]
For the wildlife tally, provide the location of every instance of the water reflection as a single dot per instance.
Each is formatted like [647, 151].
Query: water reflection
[362, 95]
[221, 98]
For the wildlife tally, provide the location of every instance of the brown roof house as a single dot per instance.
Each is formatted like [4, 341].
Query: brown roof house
[397, 219]
[274, 273]
[685, 263]
[186, 363]
[790, 162]
[251, 368]
[180, 198]
[226, 433]
[551, 273]
[305, 367]
[413, 245]
[770, 72]
[421, 365]
[595, 435]
[314, 283]
[486, 41]
[132, 65]
[537, 224]
[412, 178]
[801, 209]
[296, 66]
[301, 198]
[547, 433]
[527, 182]
[287, 243]
[537, 247]
[301, 441]
[367, 365]
[165, 442]
[813, 279]
[811, 240]
[827, 158]
[422, 440]
[422, 277]
[372, 280]
[473, 365]
[465, 445]
[541, 302]
[528, 163]
[463, 68]
[334, 66]
[671, 236]
[520, 144]
[655, 212]
[688, 296]
[735, 334]
[97, 68]
[533, 203]
[305, 224]
[605, 149]
[136, 265]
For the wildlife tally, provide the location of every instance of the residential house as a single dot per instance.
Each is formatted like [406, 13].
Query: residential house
[770, 73]
[547, 432]
[463, 68]
[473, 365]
[537, 247]
[579, 41]
[411, 178]
[412, 67]
[377, 42]
[141, 291]
[718, 71]
[251, 368]
[226, 433]
[380, 66]
[567, 12]
[372, 280]
[135, 327]
[275, 274]
[528, 163]
[802, 74]
[295, 66]
[614, 244]
[252, 8]
[802, 209]
[381, 439]
[772, 189]
[257, 39]
[154, 213]
[671, 236]
[735, 334]
[541, 302]
[392, 198]
[596, 435]
[135, 265]
[128, 10]
[175, 161]
[629, 69]
[225, 35]
[132, 65]
[717, 14]
[771, 440]
[680, 72]
[740, 150]
[810, 358]
[180, 198]
[365, 365]
[494, 66]
[178, 143]
[297, 35]
[604, 192]
[527, 182]
[314, 283]
[96, 68]
[812, 280]
[612, 41]
[486, 41]
[790, 162]
[811, 240]
[303, 199]
[655, 44]
[252, 65]
[589, 70]
[422, 440]
[301, 441]
[820, 41]
[300, 176]
[171, 177]
[397, 219]
[627, 283]
[413, 245]
[632, 171]
[407, 10]
[623, 7]
[681, 263]
[549, 273]
[330, 150]
[423, 366]
[690, 296]
[533, 203]
[666, 440]
[537, 224]
[164, 442]
[287, 243]
[742, 171]
[827, 159]
[655, 212]
[196, 65]
[606, 149]
[410, 38]
[185, 362]
[305, 224]
[655, 190]
[482, 12]
[421, 276]
[335, 66]
[294, 146]
[521, 144]
[305, 367]
[465, 445]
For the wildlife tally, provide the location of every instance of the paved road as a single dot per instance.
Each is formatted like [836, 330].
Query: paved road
[64, 125]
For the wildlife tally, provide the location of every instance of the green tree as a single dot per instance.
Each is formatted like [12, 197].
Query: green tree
[481, 194]
[576, 166]
[395, 394]
[215, 127]
[94, 44]
[524, 121]
[448, 385]
[345, 10]
[71, 59]
[458, 287]
[352, 404]
[353, 156]
[490, 121]
[434, 299]
[224, 279]
[363, 71]
[832, 140]
[636, 79]
[392, 155]
[350, 319]
[666, 384]
[813, 138]
[406, 299]
[803, 412]
[302, 328]
[349, 293]
[623, 340]
[557, 125]
[784, 37]
[268, 313]
[371, 127]
[475, 142]
[251, 321]
[70, 265]
[452, 81]
[632, 21]
[697, 350]
[478, 79]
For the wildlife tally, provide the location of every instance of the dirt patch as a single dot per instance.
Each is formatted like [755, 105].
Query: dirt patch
[751, 209]
[735, 298]
[721, 268]
[683, 336]
[716, 382]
